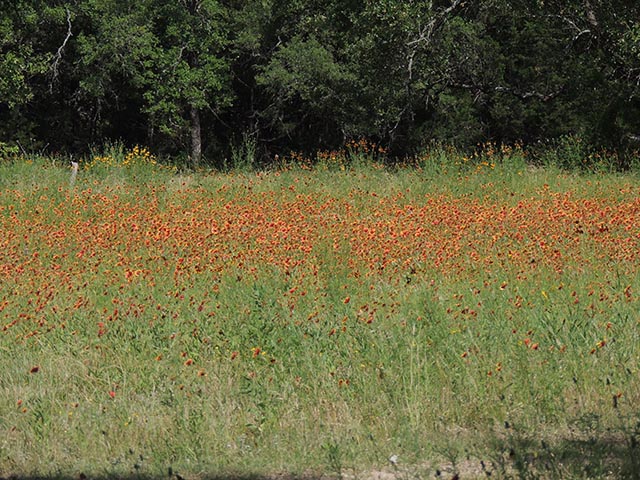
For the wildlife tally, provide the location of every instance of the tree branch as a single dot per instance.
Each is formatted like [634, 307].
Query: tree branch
[58, 56]
[545, 97]
[591, 16]
[479, 89]
[425, 34]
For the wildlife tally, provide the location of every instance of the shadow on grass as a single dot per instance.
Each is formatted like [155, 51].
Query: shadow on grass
[516, 457]
[587, 452]
[173, 476]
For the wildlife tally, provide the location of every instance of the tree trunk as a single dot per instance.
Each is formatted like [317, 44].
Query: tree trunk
[196, 138]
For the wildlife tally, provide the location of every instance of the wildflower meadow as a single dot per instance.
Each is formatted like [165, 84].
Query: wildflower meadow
[469, 316]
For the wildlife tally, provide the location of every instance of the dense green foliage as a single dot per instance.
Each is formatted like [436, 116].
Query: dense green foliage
[207, 75]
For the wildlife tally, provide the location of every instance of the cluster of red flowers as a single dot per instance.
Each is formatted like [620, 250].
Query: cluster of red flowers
[74, 239]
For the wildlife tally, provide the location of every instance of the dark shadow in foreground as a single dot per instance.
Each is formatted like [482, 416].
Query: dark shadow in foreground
[588, 450]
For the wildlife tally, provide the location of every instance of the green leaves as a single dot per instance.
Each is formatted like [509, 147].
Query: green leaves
[169, 54]
[19, 63]
[304, 75]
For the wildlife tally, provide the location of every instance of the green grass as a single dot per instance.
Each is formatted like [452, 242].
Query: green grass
[161, 322]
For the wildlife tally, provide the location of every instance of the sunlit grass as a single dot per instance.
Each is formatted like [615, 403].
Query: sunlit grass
[314, 318]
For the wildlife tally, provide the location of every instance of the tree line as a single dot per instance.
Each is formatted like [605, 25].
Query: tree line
[197, 77]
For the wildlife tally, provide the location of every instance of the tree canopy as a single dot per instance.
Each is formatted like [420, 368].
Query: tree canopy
[193, 76]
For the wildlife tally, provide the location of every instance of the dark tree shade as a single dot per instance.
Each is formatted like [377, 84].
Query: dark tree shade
[192, 77]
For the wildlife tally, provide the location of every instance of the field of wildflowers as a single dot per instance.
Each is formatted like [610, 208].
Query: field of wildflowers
[318, 319]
